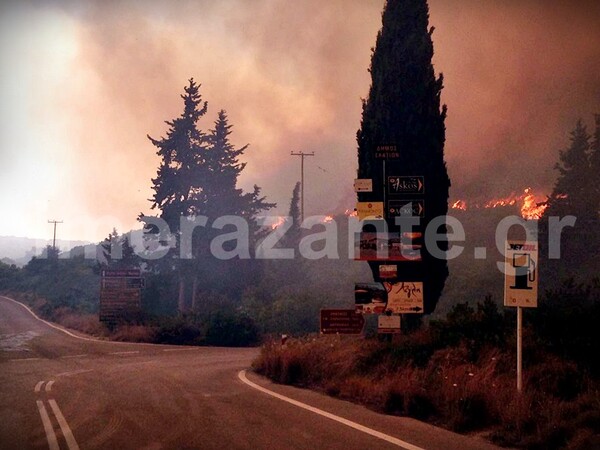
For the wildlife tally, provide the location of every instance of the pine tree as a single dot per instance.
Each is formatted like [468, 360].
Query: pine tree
[198, 176]
[176, 188]
[570, 195]
[116, 252]
[575, 194]
[403, 113]
[223, 169]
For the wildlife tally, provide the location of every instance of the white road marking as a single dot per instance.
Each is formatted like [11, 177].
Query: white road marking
[73, 372]
[38, 386]
[349, 423]
[180, 349]
[49, 386]
[50, 436]
[51, 324]
[25, 359]
[64, 426]
[74, 356]
[67, 332]
[124, 353]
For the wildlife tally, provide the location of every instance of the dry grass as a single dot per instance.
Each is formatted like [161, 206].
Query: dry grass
[559, 408]
[134, 333]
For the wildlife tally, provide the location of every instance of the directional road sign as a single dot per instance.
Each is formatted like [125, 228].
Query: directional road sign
[404, 297]
[341, 321]
[397, 185]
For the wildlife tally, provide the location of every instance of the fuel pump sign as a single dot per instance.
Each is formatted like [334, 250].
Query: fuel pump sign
[521, 274]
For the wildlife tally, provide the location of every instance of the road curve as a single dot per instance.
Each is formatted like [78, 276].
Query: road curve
[59, 391]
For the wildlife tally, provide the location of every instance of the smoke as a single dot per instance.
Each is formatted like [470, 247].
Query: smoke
[291, 76]
[518, 75]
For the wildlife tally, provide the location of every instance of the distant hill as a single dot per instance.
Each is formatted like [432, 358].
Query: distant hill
[20, 250]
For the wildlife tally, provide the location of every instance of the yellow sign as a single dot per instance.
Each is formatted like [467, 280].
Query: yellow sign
[369, 210]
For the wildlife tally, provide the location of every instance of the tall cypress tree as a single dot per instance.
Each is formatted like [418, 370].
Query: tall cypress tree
[402, 129]
[293, 235]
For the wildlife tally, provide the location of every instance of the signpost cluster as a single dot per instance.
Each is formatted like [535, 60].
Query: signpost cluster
[389, 250]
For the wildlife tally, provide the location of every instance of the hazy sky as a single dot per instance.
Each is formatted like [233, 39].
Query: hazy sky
[83, 82]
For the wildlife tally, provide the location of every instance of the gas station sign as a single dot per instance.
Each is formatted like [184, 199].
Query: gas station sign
[521, 274]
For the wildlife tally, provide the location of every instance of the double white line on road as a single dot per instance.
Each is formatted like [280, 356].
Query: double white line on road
[60, 418]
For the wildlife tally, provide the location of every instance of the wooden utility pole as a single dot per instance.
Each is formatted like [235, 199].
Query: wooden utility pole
[302, 155]
[54, 236]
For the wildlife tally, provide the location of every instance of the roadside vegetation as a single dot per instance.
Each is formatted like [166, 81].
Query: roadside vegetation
[460, 372]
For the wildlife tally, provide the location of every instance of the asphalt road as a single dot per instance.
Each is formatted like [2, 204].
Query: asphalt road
[58, 391]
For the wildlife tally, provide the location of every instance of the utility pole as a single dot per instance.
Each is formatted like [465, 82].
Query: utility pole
[302, 155]
[54, 237]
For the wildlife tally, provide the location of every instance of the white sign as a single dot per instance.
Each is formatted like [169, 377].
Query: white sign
[404, 297]
[388, 324]
[363, 185]
[521, 274]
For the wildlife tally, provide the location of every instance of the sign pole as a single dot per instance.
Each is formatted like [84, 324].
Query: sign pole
[519, 349]
[384, 187]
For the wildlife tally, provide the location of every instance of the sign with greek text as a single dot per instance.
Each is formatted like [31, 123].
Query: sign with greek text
[404, 297]
[397, 185]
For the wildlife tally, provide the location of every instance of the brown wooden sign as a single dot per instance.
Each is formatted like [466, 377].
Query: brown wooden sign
[341, 321]
[120, 294]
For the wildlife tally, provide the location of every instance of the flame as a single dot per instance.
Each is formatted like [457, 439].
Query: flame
[508, 201]
[459, 204]
[351, 213]
[530, 205]
[280, 221]
[531, 209]
[328, 219]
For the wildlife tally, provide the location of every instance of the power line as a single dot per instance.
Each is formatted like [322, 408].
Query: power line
[302, 155]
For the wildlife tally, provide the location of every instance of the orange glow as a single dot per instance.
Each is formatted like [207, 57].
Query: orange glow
[328, 219]
[279, 222]
[531, 206]
[459, 204]
[508, 201]
[351, 213]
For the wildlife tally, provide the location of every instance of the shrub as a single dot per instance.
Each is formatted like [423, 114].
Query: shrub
[230, 330]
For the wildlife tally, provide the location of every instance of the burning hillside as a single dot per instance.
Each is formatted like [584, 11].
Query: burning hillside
[531, 205]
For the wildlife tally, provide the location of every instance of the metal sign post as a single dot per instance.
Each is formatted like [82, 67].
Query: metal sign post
[520, 288]
[519, 348]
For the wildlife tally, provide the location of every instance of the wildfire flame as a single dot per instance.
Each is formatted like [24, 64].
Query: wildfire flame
[279, 222]
[530, 205]
[459, 204]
